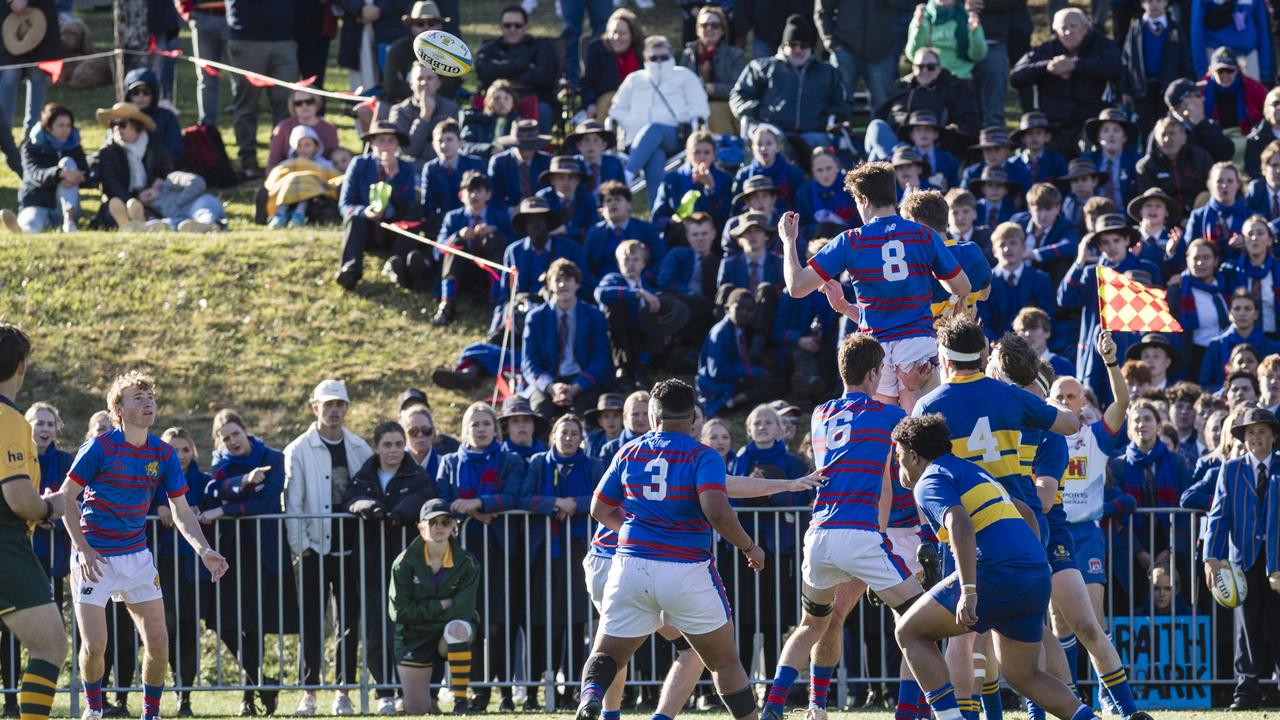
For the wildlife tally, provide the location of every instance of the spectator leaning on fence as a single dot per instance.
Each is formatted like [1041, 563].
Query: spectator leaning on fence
[318, 469]
[386, 493]
[248, 479]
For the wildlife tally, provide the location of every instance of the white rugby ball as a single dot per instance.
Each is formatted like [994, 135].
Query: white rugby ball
[1229, 588]
[443, 52]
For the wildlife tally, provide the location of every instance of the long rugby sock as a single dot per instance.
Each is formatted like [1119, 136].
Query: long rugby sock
[611, 715]
[908, 700]
[992, 706]
[93, 695]
[1084, 713]
[151, 695]
[1116, 684]
[819, 685]
[448, 289]
[35, 697]
[782, 681]
[1071, 648]
[1034, 711]
[459, 670]
[970, 708]
[943, 701]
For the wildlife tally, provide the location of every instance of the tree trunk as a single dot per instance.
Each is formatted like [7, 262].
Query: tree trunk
[130, 34]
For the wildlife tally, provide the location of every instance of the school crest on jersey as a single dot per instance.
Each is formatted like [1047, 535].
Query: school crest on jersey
[153, 469]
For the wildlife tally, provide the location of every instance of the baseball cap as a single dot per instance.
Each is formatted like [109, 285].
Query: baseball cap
[330, 389]
[1223, 57]
[413, 395]
[1178, 91]
[433, 508]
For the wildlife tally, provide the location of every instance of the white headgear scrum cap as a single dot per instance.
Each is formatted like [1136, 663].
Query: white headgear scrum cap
[330, 390]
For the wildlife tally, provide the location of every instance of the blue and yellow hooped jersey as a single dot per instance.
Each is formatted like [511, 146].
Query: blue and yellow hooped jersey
[975, 266]
[995, 425]
[1003, 537]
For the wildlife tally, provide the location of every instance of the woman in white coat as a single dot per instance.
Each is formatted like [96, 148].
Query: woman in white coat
[650, 106]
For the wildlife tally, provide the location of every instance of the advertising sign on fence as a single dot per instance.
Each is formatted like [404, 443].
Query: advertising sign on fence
[1169, 659]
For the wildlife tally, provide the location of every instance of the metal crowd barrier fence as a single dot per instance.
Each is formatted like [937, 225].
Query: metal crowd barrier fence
[281, 622]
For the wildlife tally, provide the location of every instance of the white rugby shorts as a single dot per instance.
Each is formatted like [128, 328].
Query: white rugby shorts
[128, 578]
[902, 354]
[641, 593]
[905, 542]
[837, 555]
[596, 568]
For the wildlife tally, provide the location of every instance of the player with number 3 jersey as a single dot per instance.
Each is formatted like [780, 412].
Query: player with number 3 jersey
[891, 263]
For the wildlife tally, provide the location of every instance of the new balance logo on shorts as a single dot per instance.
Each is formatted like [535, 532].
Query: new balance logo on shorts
[86, 591]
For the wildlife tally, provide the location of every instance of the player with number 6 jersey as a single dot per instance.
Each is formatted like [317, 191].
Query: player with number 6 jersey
[891, 263]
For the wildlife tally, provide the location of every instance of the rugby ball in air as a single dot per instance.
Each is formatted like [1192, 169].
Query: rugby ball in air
[1229, 588]
[443, 52]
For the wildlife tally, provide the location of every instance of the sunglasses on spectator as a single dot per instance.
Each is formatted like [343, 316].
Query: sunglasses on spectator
[658, 58]
[444, 520]
[304, 101]
[140, 91]
[927, 67]
[512, 25]
[713, 24]
[421, 432]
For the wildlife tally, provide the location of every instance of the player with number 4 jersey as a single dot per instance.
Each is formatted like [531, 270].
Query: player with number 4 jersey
[891, 263]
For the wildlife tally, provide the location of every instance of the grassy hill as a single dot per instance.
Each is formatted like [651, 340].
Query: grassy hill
[249, 320]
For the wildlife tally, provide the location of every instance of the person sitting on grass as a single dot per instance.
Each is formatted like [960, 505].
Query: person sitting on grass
[639, 320]
[478, 228]
[128, 164]
[181, 203]
[54, 169]
[617, 225]
[432, 601]
[441, 182]
[729, 375]
[304, 176]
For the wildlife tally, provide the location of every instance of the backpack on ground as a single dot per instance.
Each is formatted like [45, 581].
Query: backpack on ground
[204, 154]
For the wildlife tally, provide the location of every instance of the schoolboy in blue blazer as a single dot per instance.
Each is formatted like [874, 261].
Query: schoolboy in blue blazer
[566, 347]
[524, 145]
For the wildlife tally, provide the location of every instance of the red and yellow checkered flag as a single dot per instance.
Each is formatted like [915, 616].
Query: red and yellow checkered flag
[1130, 306]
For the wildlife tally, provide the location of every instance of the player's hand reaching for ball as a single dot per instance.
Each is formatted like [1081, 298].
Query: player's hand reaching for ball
[214, 563]
[789, 228]
[90, 563]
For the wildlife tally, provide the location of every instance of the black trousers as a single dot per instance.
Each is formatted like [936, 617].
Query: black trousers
[361, 235]
[630, 346]
[1257, 632]
[471, 279]
[541, 401]
[320, 577]
[502, 601]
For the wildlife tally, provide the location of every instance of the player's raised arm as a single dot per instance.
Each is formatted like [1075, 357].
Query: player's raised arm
[752, 487]
[1115, 412]
[799, 278]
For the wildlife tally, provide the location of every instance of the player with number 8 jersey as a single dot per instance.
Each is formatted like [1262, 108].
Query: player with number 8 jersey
[891, 263]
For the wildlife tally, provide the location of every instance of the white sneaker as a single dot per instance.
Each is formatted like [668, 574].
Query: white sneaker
[306, 706]
[342, 705]
[387, 706]
[91, 714]
[814, 713]
[10, 220]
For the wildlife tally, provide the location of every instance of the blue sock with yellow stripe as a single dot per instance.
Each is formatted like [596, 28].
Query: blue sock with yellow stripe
[944, 703]
[1034, 711]
[970, 708]
[1116, 684]
[992, 705]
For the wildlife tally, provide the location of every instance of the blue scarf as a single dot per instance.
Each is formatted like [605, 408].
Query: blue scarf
[1160, 491]
[226, 466]
[43, 138]
[777, 172]
[567, 477]
[1211, 91]
[53, 467]
[478, 471]
[1222, 220]
[524, 452]
[832, 198]
[1187, 314]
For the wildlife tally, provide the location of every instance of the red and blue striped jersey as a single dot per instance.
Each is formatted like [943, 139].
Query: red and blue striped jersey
[656, 479]
[892, 264]
[851, 446]
[120, 481]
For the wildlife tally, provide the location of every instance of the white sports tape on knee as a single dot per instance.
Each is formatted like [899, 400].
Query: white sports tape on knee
[457, 631]
[979, 672]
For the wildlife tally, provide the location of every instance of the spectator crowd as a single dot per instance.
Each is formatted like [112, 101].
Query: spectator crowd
[640, 210]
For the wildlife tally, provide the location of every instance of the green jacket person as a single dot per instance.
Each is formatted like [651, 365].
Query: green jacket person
[433, 604]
